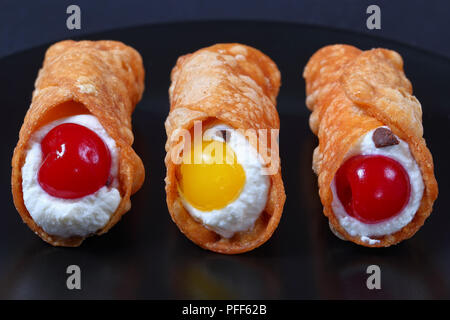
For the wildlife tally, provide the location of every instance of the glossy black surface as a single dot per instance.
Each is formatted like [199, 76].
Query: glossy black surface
[145, 255]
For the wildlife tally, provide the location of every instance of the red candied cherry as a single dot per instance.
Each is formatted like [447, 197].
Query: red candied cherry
[76, 162]
[372, 188]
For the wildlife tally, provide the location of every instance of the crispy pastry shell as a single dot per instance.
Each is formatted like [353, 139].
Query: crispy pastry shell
[351, 92]
[102, 78]
[236, 85]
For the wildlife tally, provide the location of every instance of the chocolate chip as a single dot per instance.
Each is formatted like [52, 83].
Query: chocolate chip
[109, 181]
[224, 134]
[383, 137]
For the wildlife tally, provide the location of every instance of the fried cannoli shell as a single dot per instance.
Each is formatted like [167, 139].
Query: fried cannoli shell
[236, 85]
[351, 92]
[102, 78]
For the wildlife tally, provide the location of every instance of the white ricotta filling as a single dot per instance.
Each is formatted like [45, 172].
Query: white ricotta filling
[241, 214]
[69, 217]
[400, 153]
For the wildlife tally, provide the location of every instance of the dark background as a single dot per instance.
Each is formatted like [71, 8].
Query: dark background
[25, 24]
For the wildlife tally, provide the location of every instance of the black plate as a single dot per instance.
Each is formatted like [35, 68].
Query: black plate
[145, 255]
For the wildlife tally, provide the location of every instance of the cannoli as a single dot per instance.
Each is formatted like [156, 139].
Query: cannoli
[73, 168]
[375, 173]
[223, 184]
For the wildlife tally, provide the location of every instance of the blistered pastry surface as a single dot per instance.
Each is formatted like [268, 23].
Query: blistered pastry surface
[351, 92]
[103, 78]
[237, 85]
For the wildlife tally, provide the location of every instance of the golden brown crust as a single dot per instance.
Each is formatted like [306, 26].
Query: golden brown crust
[102, 78]
[350, 92]
[237, 85]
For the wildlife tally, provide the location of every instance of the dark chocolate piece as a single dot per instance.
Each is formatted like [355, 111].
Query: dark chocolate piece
[109, 181]
[224, 134]
[383, 137]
